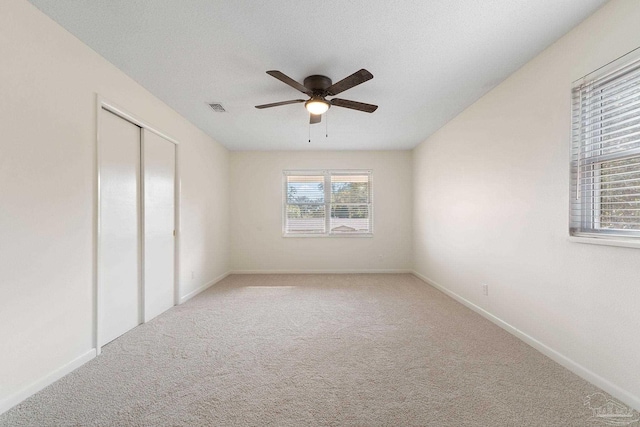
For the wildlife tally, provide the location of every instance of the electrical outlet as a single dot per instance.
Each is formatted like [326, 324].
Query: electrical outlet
[192, 274]
[485, 289]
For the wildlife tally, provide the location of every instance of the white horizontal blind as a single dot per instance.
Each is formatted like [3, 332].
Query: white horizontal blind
[305, 210]
[605, 173]
[327, 202]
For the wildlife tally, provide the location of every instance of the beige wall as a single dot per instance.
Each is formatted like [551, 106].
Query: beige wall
[256, 212]
[491, 206]
[48, 86]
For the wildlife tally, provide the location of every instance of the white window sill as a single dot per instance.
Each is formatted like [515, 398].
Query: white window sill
[607, 241]
[350, 236]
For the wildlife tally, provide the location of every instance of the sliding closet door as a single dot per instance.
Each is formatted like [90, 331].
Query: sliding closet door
[159, 223]
[119, 247]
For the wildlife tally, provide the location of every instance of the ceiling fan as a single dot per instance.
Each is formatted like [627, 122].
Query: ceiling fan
[318, 88]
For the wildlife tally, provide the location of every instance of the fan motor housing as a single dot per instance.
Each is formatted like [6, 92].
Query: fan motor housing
[317, 82]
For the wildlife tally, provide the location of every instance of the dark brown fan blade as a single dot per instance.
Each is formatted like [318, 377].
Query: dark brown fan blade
[348, 82]
[288, 80]
[360, 106]
[315, 118]
[277, 104]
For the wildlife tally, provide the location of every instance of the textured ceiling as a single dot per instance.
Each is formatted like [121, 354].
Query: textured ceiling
[430, 59]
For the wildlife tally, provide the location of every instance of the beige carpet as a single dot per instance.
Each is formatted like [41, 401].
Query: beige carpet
[328, 350]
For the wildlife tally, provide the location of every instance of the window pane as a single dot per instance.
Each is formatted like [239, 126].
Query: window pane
[620, 194]
[305, 218]
[349, 218]
[349, 189]
[305, 189]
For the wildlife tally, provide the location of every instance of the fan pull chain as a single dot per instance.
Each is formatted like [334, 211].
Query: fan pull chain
[326, 125]
[309, 131]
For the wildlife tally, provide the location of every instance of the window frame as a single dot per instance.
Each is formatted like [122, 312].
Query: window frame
[585, 211]
[327, 174]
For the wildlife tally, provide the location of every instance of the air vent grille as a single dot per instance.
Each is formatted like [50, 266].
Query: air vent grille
[217, 107]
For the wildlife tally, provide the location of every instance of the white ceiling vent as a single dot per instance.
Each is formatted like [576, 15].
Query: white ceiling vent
[217, 107]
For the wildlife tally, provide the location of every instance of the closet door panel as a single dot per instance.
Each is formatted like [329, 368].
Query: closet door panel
[119, 249]
[159, 160]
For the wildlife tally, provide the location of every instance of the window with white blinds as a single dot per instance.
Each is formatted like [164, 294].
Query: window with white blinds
[327, 203]
[605, 172]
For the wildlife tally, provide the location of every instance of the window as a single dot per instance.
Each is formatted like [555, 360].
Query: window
[327, 203]
[605, 158]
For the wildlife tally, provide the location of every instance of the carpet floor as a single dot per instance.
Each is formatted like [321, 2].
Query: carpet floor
[326, 350]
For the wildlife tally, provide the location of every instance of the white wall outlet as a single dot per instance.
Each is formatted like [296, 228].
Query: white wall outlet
[485, 289]
[192, 274]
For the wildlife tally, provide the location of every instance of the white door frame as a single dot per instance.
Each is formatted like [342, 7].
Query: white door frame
[102, 103]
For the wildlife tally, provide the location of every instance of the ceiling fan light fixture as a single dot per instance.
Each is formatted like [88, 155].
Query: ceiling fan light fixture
[317, 106]
[317, 87]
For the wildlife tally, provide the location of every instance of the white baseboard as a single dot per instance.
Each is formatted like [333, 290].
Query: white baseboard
[606, 385]
[45, 381]
[202, 288]
[382, 271]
